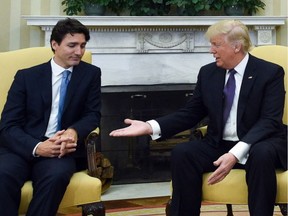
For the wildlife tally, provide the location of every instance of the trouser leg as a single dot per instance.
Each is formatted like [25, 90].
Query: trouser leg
[50, 177]
[14, 171]
[261, 179]
[188, 163]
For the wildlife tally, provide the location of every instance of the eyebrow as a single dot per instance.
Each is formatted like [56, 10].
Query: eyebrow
[75, 43]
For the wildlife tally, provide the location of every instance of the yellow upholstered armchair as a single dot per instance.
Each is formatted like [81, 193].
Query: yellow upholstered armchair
[85, 187]
[233, 189]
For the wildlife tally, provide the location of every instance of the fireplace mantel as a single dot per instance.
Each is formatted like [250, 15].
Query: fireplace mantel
[125, 46]
[263, 28]
[155, 20]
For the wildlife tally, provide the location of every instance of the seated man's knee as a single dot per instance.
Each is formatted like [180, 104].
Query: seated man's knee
[262, 153]
[184, 150]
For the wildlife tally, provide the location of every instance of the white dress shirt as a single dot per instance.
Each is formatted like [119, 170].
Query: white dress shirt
[56, 82]
[240, 150]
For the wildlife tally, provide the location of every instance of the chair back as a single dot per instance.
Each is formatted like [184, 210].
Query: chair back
[12, 61]
[278, 55]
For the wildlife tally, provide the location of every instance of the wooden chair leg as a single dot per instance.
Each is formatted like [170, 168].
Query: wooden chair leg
[95, 209]
[229, 210]
[167, 209]
[283, 209]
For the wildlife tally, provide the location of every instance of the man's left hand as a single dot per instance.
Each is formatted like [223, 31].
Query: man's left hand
[225, 163]
[67, 140]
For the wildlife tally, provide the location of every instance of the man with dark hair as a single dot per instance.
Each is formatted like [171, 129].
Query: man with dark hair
[50, 109]
[66, 26]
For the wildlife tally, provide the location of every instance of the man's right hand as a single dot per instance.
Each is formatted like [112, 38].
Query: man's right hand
[52, 146]
[136, 128]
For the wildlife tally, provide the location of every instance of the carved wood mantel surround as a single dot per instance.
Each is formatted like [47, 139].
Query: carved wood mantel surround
[155, 50]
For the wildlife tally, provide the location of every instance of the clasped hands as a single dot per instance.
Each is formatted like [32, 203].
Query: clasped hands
[62, 143]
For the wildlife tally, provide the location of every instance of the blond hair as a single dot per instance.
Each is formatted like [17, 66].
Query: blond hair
[235, 31]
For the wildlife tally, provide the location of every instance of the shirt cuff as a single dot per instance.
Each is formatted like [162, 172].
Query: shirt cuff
[34, 150]
[156, 131]
[240, 151]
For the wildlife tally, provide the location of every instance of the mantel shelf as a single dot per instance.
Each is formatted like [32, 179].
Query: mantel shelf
[154, 20]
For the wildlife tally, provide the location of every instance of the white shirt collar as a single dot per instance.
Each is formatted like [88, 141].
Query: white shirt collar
[240, 68]
[57, 69]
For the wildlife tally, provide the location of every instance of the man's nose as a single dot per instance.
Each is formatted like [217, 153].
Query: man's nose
[78, 50]
[211, 50]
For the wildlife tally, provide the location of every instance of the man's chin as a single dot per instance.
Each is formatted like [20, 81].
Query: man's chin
[75, 62]
[218, 63]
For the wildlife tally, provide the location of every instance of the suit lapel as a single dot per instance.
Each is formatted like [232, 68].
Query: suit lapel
[73, 84]
[249, 78]
[217, 95]
[45, 84]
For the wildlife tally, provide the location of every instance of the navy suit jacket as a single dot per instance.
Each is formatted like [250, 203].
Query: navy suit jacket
[26, 113]
[260, 106]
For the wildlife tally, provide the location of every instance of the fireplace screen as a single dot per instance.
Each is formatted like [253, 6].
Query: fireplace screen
[139, 159]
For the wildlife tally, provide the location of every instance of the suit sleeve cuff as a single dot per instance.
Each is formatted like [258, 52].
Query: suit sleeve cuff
[240, 151]
[34, 150]
[156, 131]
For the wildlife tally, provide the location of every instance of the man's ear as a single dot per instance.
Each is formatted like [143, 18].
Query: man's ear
[237, 47]
[54, 44]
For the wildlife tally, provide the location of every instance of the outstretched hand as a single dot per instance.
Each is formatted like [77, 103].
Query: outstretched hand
[136, 128]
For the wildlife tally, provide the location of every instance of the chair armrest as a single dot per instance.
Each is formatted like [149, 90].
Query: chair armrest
[98, 166]
[92, 156]
[202, 131]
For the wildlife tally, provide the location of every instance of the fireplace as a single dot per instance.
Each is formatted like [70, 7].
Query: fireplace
[139, 159]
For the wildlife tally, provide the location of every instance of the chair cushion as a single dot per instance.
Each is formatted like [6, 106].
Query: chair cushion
[233, 189]
[82, 189]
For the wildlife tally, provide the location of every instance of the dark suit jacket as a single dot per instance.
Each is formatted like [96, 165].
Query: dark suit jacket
[26, 113]
[260, 106]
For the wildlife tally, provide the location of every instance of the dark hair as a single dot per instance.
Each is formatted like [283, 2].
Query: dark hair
[68, 26]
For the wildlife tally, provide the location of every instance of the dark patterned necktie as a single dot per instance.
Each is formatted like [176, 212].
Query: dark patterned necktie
[63, 89]
[229, 92]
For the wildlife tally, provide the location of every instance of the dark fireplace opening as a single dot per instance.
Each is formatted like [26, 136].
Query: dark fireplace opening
[139, 159]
